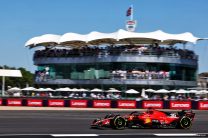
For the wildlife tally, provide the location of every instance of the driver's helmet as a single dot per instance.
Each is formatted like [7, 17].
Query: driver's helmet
[109, 115]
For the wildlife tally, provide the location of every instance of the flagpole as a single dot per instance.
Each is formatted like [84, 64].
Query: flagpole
[132, 13]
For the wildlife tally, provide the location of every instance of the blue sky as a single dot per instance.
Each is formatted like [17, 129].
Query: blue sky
[21, 20]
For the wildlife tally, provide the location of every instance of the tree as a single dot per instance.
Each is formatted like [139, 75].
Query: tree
[203, 74]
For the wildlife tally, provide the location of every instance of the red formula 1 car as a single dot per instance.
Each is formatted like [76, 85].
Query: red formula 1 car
[149, 119]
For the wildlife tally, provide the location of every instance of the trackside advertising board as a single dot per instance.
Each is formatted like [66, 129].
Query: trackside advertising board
[0, 101]
[56, 103]
[180, 104]
[78, 103]
[14, 102]
[34, 102]
[102, 103]
[126, 104]
[203, 105]
[152, 104]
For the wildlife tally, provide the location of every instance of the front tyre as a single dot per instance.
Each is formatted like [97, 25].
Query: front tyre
[185, 122]
[118, 122]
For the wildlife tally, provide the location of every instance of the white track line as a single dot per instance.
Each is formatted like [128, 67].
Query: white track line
[74, 135]
[176, 135]
[120, 134]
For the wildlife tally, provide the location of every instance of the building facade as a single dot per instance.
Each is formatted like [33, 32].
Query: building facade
[140, 63]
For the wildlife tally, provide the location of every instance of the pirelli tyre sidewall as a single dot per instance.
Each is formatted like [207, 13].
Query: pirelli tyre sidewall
[185, 122]
[118, 122]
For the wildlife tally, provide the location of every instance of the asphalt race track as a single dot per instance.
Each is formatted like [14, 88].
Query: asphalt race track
[45, 123]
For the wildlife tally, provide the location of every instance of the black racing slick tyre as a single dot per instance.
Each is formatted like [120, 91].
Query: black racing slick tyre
[185, 123]
[118, 122]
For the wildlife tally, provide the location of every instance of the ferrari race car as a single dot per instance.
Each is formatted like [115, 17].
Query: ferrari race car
[149, 119]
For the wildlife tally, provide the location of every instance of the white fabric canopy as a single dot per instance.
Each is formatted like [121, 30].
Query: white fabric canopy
[203, 92]
[73, 39]
[193, 91]
[74, 90]
[113, 90]
[119, 37]
[83, 90]
[41, 90]
[174, 91]
[28, 89]
[66, 89]
[96, 90]
[182, 91]
[149, 90]
[49, 89]
[31, 42]
[162, 91]
[46, 39]
[131, 91]
[14, 89]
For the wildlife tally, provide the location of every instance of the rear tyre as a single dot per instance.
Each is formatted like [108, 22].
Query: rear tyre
[185, 123]
[118, 122]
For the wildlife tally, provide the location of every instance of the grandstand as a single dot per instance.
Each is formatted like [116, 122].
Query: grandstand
[122, 60]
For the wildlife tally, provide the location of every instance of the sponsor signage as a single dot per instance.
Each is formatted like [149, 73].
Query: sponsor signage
[152, 104]
[203, 105]
[0, 101]
[126, 104]
[180, 105]
[131, 25]
[34, 102]
[14, 102]
[78, 103]
[101, 103]
[56, 103]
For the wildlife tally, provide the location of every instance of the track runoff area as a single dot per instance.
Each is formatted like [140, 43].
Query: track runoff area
[52, 122]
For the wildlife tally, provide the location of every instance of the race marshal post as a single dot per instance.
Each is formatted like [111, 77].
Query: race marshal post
[130, 24]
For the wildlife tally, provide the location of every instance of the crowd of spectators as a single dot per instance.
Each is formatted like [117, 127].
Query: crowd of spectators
[111, 95]
[135, 74]
[116, 50]
[75, 95]
[177, 97]
[44, 75]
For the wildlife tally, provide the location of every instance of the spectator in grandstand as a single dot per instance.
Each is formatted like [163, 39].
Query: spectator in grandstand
[108, 96]
[84, 95]
[172, 97]
[37, 94]
[92, 95]
[114, 50]
[165, 97]
[50, 94]
[139, 98]
[117, 96]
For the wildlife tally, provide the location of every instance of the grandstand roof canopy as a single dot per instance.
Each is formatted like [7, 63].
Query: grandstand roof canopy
[119, 37]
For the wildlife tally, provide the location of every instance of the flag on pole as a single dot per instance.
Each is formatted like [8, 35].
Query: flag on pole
[128, 12]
